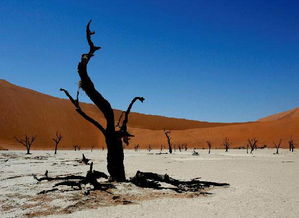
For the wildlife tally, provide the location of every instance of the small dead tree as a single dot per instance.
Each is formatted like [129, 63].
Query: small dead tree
[57, 139]
[27, 142]
[226, 144]
[167, 132]
[291, 144]
[186, 147]
[180, 148]
[149, 148]
[209, 146]
[252, 143]
[136, 147]
[277, 145]
[92, 147]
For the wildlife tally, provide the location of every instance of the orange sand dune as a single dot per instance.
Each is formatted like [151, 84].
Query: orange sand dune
[265, 132]
[290, 114]
[24, 111]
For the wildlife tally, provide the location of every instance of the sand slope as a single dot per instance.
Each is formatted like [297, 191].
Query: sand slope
[24, 111]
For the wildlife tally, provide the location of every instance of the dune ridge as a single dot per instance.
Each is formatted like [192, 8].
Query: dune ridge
[25, 111]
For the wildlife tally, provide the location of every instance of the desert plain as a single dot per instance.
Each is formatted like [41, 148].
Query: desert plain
[262, 184]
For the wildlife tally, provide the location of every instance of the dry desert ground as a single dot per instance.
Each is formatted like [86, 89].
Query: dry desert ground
[261, 185]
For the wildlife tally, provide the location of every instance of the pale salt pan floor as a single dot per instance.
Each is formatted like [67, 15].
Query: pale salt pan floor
[261, 185]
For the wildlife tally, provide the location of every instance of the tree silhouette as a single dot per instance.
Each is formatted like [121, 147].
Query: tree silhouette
[113, 138]
[291, 144]
[57, 139]
[209, 146]
[226, 144]
[167, 132]
[277, 145]
[27, 141]
[252, 143]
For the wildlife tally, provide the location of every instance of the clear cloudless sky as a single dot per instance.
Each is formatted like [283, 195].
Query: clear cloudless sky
[227, 61]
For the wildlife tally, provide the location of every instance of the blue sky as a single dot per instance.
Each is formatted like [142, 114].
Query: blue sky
[227, 61]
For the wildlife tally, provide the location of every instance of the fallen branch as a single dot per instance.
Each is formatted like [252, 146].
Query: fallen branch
[90, 178]
[153, 180]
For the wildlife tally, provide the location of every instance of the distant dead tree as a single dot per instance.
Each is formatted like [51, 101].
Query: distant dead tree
[185, 147]
[136, 148]
[180, 148]
[226, 144]
[92, 147]
[291, 144]
[57, 139]
[277, 145]
[76, 147]
[167, 132]
[252, 143]
[113, 138]
[27, 142]
[209, 146]
[161, 149]
[149, 148]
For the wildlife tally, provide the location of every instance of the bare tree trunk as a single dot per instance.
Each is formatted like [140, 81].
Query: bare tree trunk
[27, 142]
[167, 132]
[226, 144]
[57, 140]
[209, 146]
[115, 157]
[113, 138]
[291, 145]
[277, 146]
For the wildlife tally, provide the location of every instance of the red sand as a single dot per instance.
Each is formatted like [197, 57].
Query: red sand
[24, 111]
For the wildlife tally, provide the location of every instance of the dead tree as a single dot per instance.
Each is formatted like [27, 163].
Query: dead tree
[167, 132]
[136, 147]
[226, 144]
[92, 147]
[209, 146]
[57, 140]
[186, 147]
[114, 138]
[180, 148]
[27, 142]
[277, 145]
[252, 143]
[76, 147]
[291, 144]
[149, 148]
